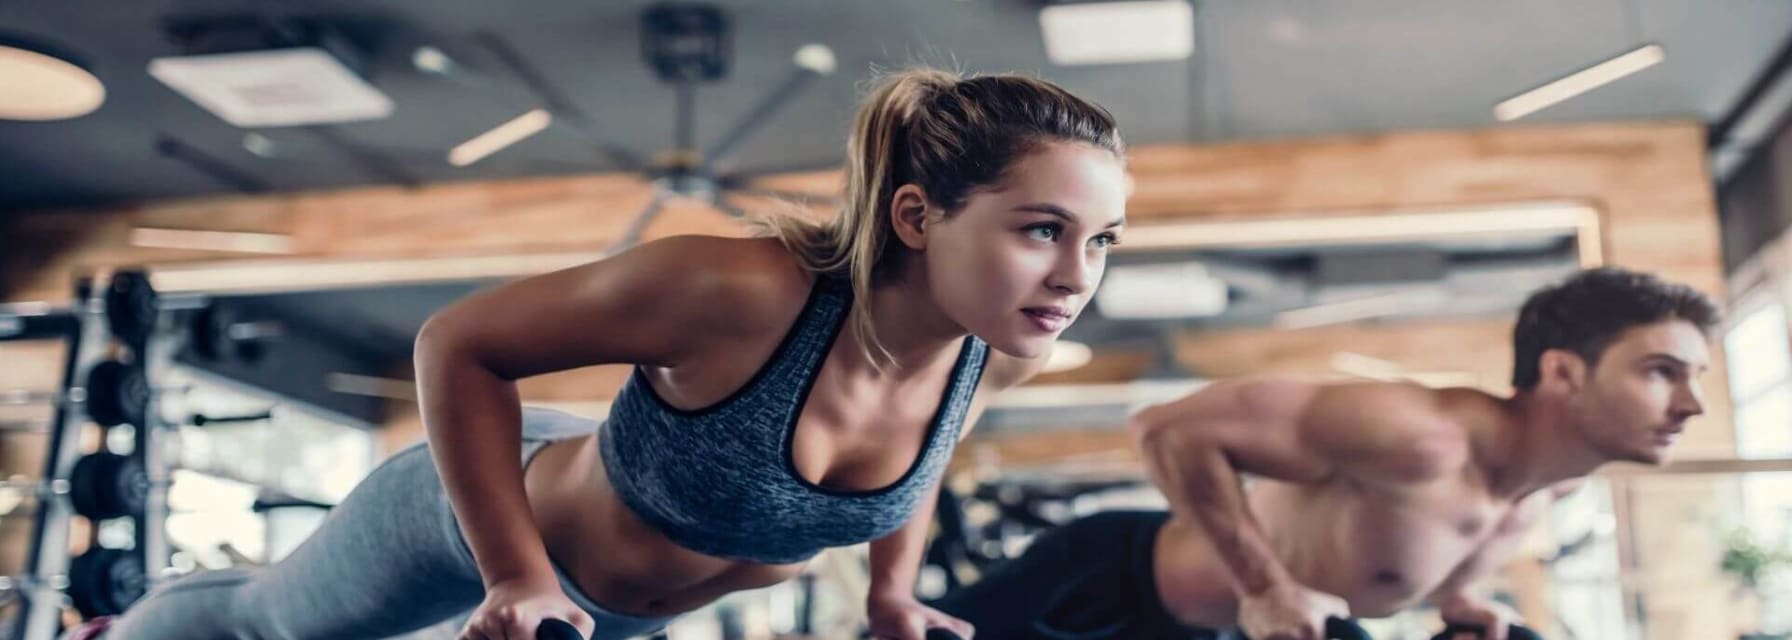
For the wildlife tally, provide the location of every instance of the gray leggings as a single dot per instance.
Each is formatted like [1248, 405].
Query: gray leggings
[388, 561]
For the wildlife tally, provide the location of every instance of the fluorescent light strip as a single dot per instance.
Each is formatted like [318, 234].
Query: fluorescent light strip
[1348, 310]
[1335, 230]
[261, 276]
[237, 241]
[500, 137]
[370, 386]
[1578, 83]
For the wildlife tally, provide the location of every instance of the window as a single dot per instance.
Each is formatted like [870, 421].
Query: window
[1760, 367]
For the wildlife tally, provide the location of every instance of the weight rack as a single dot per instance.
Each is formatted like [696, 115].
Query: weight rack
[125, 310]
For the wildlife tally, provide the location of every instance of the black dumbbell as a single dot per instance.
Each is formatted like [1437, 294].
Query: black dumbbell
[114, 393]
[107, 485]
[102, 485]
[104, 582]
[131, 307]
[1514, 632]
[551, 629]
[219, 333]
[1342, 629]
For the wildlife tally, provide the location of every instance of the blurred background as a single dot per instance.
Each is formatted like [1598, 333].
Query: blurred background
[1346, 189]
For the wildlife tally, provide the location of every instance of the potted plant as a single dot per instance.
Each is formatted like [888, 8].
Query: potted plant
[1754, 564]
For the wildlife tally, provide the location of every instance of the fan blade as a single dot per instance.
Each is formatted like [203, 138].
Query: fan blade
[369, 159]
[812, 61]
[799, 197]
[730, 209]
[564, 111]
[638, 226]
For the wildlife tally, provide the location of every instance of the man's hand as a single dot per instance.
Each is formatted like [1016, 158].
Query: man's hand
[1492, 617]
[1289, 612]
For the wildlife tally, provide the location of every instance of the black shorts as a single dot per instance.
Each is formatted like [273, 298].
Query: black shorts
[1092, 579]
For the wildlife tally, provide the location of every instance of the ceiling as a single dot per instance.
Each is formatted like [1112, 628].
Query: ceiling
[1261, 69]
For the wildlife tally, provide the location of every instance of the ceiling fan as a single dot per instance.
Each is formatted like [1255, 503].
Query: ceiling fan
[685, 45]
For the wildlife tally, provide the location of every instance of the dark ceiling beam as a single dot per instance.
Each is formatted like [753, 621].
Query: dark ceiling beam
[1781, 65]
[367, 158]
[211, 166]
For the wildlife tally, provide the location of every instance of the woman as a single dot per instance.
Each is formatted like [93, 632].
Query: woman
[791, 393]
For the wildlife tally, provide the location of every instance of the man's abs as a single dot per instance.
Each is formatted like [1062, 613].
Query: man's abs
[1380, 551]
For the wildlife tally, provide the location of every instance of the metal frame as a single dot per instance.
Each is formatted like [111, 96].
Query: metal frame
[47, 564]
[86, 334]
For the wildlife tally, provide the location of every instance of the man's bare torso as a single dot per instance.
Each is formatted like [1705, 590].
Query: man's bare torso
[1380, 547]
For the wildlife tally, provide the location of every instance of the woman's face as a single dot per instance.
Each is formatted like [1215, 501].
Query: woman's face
[1018, 263]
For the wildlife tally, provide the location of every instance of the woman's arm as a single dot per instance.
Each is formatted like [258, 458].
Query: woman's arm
[653, 305]
[896, 558]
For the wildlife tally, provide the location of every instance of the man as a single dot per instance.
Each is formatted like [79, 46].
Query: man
[1367, 498]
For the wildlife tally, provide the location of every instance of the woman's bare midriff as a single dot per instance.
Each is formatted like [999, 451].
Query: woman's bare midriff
[619, 561]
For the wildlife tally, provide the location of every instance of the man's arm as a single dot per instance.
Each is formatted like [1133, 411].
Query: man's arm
[1499, 549]
[1196, 448]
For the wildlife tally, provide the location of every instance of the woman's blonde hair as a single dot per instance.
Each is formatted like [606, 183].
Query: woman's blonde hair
[948, 134]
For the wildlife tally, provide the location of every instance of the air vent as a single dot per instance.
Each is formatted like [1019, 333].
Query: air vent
[273, 88]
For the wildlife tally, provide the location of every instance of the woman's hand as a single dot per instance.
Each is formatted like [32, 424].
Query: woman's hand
[905, 618]
[512, 610]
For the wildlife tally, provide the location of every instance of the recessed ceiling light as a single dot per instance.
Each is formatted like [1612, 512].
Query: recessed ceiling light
[816, 57]
[1118, 32]
[41, 85]
[431, 60]
[259, 145]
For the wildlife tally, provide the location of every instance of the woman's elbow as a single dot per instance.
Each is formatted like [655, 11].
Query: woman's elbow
[439, 340]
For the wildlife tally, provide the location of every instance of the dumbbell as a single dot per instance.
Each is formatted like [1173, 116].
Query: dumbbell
[552, 629]
[1342, 629]
[131, 307]
[104, 582]
[100, 582]
[114, 393]
[218, 333]
[102, 485]
[1514, 632]
[215, 333]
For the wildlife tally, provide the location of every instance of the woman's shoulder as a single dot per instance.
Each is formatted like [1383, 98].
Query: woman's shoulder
[746, 284]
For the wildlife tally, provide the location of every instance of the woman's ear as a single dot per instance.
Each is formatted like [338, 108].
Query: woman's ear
[908, 214]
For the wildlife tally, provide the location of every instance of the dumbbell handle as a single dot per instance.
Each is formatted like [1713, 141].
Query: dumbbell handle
[16, 397]
[1513, 632]
[1343, 629]
[552, 629]
[39, 487]
[28, 583]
